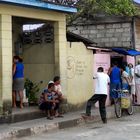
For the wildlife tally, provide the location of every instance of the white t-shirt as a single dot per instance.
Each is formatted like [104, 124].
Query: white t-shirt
[58, 89]
[101, 83]
[133, 75]
[137, 71]
[124, 76]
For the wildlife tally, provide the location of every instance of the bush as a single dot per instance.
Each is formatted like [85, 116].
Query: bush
[31, 91]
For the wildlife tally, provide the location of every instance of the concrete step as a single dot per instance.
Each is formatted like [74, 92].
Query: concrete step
[19, 115]
[36, 126]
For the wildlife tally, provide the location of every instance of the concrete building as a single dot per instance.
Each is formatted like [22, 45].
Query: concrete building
[110, 32]
[13, 14]
[45, 54]
[107, 31]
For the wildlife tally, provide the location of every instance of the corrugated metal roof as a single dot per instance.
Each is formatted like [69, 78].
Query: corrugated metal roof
[72, 37]
[40, 4]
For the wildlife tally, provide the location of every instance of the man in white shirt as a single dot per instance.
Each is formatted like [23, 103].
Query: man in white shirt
[132, 78]
[137, 82]
[101, 91]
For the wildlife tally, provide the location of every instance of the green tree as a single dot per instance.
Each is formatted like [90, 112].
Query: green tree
[112, 7]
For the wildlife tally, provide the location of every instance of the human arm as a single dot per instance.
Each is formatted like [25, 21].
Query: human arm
[14, 68]
[95, 76]
[58, 90]
[132, 74]
[109, 71]
[108, 80]
[126, 77]
[127, 80]
[137, 72]
[50, 100]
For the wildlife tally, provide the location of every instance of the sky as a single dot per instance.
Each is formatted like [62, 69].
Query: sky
[138, 1]
[31, 27]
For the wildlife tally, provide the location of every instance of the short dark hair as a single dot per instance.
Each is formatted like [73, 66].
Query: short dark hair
[100, 69]
[16, 57]
[56, 78]
[130, 64]
[123, 68]
[50, 85]
[125, 63]
[115, 63]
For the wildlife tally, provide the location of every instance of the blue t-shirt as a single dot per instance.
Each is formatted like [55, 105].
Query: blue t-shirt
[115, 76]
[49, 94]
[19, 73]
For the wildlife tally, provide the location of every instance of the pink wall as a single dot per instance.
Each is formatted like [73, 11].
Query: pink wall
[130, 59]
[104, 60]
[101, 60]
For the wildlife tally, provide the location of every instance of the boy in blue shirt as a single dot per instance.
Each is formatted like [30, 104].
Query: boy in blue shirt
[47, 101]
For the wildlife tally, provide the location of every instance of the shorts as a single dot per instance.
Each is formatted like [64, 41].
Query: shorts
[46, 106]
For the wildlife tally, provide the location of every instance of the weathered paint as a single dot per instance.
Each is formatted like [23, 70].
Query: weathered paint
[6, 63]
[40, 4]
[7, 11]
[79, 74]
[39, 62]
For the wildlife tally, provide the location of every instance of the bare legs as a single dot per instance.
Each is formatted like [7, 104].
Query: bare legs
[14, 99]
[20, 93]
[21, 98]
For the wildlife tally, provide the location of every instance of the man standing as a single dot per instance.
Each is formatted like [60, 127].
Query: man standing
[101, 91]
[115, 80]
[132, 78]
[137, 82]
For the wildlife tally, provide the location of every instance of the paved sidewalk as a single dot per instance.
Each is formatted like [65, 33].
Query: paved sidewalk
[37, 126]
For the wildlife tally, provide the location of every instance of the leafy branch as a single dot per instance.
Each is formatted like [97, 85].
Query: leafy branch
[89, 8]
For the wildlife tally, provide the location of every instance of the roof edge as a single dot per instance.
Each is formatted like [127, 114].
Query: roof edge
[40, 5]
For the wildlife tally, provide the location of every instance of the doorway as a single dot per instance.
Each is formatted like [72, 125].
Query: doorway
[118, 59]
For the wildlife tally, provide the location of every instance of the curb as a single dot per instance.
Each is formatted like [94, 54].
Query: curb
[22, 132]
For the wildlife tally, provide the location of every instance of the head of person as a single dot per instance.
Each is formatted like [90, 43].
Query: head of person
[51, 86]
[123, 68]
[130, 65]
[125, 64]
[20, 60]
[16, 59]
[115, 63]
[100, 69]
[51, 82]
[56, 80]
